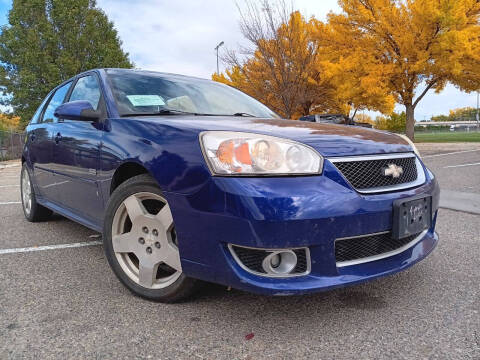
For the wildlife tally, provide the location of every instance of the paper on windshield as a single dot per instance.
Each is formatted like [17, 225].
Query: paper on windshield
[146, 100]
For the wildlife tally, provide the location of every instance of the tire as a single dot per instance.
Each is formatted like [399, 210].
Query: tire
[34, 212]
[140, 246]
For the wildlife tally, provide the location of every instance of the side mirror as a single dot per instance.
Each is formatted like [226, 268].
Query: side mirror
[77, 110]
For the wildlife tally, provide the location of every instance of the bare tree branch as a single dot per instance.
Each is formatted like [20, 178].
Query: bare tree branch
[279, 61]
[429, 86]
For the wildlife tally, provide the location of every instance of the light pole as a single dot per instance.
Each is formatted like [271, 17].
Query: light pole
[216, 49]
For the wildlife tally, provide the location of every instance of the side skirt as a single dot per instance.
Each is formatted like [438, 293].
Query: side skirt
[70, 215]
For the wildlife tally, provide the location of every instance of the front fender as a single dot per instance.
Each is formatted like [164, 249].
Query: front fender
[171, 155]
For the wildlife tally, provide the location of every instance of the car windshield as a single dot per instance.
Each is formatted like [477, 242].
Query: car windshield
[138, 93]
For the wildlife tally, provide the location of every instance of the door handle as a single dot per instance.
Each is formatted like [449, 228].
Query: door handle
[58, 137]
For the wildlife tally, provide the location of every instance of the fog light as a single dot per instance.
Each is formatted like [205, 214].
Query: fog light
[280, 262]
[275, 261]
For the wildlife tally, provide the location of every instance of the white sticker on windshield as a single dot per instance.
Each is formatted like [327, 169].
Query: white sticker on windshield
[146, 100]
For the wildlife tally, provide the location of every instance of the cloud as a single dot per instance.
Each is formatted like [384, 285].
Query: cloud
[179, 37]
[449, 98]
[174, 36]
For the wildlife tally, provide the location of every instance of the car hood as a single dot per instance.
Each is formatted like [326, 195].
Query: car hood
[328, 139]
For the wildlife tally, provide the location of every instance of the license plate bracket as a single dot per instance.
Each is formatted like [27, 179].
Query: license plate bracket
[411, 216]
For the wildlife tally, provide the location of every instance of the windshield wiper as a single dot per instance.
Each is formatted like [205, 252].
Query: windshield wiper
[160, 112]
[180, 112]
[243, 114]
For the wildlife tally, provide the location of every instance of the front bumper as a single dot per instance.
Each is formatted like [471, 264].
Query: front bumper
[288, 212]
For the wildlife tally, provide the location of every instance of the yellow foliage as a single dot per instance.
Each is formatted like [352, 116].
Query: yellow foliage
[283, 72]
[364, 119]
[393, 46]
[467, 112]
[357, 81]
[9, 122]
[372, 55]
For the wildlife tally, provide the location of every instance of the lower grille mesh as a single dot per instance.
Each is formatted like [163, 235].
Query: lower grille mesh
[368, 245]
[253, 258]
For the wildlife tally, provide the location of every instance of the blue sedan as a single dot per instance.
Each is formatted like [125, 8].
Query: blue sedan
[190, 180]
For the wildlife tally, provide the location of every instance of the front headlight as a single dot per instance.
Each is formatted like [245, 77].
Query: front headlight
[410, 142]
[240, 154]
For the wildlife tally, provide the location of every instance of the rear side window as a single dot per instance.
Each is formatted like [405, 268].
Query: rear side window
[57, 99]
[87, 88]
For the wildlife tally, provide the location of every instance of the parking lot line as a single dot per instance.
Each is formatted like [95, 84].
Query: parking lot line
[461, 165]
[450, 153]
[10, 203]
[5, 186]
[49, 247]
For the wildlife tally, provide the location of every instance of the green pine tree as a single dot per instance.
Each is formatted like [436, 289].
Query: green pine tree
[49, 41]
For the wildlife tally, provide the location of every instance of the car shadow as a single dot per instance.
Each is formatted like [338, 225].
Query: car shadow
[371, 296]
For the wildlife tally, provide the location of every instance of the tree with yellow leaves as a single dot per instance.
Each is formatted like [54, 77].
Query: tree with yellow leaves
[364, 119]
[9, 122]
[357, 81]
[281, 68]
[407, 46]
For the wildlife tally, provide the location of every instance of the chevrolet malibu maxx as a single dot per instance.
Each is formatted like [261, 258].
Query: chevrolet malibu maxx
[191, 180]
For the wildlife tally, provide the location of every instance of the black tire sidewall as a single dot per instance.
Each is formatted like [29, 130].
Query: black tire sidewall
[174, 292]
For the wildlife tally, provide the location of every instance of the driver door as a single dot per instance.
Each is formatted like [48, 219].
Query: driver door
[77, 151]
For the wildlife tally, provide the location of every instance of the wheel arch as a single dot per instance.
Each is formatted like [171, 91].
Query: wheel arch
[126, 171]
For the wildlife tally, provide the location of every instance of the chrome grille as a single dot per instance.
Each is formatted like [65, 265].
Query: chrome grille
[364, 247]
[367, 174]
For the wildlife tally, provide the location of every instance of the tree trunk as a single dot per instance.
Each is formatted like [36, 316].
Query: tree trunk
[354, 113]
[306, 108]
[410, 128]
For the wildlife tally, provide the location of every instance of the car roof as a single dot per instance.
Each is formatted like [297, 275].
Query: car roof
[123, 70]
[151, 72]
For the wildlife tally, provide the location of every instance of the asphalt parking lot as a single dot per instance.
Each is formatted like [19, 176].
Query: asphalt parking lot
[66, 302]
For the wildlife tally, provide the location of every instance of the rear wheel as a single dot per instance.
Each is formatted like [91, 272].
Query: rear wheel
[140, 242]
[33, 211]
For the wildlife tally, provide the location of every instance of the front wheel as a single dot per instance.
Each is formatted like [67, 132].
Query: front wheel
[140, 242]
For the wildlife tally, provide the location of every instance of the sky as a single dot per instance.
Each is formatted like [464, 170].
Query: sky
[180, 36]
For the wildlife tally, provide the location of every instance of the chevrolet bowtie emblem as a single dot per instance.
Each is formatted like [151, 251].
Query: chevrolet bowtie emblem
[393, 171]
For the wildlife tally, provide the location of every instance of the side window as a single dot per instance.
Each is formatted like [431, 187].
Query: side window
[87, 88]
[36, 117]
[56, 100]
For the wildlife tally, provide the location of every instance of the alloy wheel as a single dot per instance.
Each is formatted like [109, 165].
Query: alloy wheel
[145, 242]
[26, 192]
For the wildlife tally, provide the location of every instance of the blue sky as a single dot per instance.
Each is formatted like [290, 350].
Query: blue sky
[179, 37]
[4, 7]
